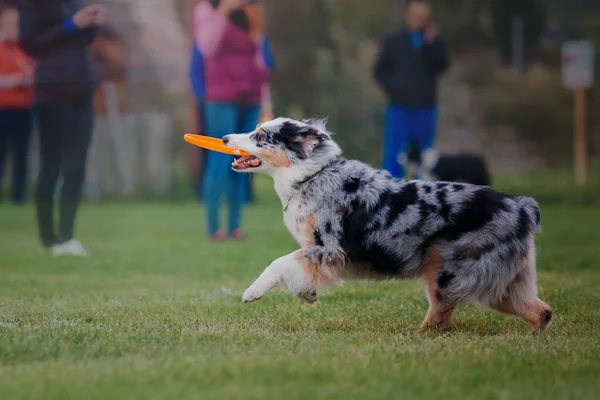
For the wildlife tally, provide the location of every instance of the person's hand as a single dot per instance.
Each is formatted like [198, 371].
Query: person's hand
[431, 33]
[12, 81]
[89, 16]
[227, 6]
[99, 17]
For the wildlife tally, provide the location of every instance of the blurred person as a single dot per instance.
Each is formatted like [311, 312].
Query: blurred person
[235, 64]
[407, 69]
[16, 102]
[58, 35]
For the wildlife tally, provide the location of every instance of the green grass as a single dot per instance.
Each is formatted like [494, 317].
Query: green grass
[156, 313]
[555, 186]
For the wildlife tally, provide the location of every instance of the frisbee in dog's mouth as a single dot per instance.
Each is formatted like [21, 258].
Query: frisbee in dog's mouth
[246, 162]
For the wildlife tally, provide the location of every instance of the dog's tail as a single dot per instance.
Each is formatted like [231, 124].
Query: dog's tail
[532, 209]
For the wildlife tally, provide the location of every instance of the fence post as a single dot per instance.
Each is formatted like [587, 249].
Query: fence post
[518, 45]
[580, 143]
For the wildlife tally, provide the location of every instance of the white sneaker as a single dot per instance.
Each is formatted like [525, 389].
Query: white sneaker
[71, 248]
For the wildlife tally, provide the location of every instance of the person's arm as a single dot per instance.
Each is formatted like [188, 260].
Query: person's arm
[10, 81]
[197, 73]
[34, 41]
[265, 95]
[267, 54]
[266, 104]
[37, 40]
[265, 61]
[436, 54]
[384, 68]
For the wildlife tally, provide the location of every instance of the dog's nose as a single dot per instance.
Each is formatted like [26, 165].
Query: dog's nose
[225, 139]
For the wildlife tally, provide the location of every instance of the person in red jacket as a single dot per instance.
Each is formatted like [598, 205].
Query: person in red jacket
[16, 102]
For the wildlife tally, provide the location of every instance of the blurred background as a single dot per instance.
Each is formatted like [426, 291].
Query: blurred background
[155, 310]
[502, 96]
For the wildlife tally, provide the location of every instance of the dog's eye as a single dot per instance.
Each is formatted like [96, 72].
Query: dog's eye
[260, 136]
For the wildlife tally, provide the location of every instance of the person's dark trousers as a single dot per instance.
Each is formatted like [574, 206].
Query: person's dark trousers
[65, 131]
[15, 135]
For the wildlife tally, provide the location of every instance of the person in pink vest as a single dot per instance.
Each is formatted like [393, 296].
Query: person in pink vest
[235, 77]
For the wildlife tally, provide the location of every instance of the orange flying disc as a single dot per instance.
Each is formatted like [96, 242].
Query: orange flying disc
[213, 144]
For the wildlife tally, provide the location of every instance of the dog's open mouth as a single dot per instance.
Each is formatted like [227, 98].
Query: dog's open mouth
[246, 162]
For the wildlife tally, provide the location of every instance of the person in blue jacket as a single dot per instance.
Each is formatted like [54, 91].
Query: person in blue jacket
[407, 69]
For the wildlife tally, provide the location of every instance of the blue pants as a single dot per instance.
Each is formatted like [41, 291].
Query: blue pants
[219, 179]
[15, 133]
[403, 125]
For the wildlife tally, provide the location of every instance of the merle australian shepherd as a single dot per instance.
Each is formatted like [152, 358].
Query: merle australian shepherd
[471, 244]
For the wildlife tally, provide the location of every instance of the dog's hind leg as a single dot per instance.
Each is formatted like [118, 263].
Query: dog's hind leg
[537, 314]
[521, 297]
[441, 306]
[440, 310]
[295, 270]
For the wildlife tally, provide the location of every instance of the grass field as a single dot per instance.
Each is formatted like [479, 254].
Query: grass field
[155, 312]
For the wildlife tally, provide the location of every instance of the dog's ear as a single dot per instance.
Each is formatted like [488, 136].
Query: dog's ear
[309, 139]
[319, 128]
[320, 124]
[413, 153]
[430, 158]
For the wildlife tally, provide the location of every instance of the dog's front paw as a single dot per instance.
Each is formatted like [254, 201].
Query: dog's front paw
[309, 297]
[252, 294]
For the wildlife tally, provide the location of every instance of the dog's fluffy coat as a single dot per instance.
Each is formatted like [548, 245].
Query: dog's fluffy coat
[470, 243]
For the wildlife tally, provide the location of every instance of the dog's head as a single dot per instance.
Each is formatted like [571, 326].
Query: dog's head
[414, 155]
[284, 143]
[416, 161]
[412, 158]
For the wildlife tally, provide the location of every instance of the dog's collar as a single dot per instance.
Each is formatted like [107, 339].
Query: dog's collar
[309, 177]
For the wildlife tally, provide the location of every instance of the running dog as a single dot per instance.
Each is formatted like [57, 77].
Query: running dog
[470, 243]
